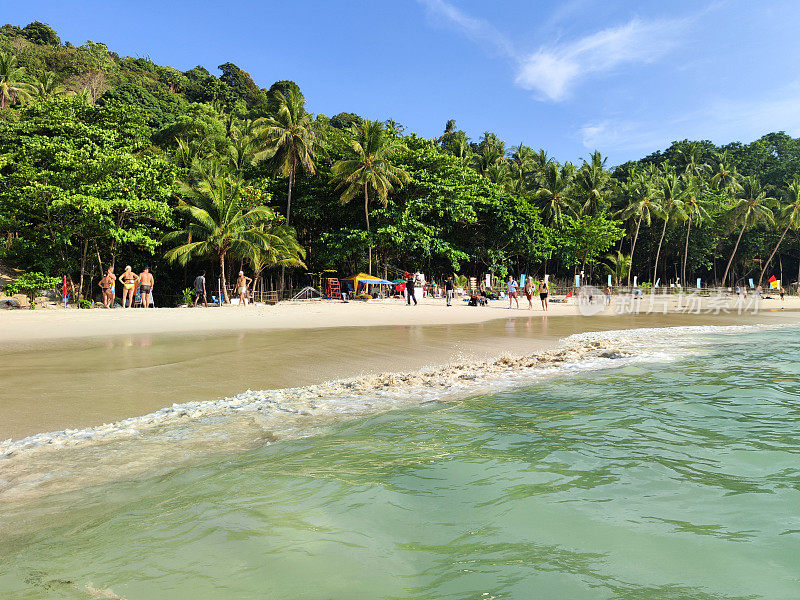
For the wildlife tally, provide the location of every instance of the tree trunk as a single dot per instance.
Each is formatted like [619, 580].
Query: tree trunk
[633, 247]
[658, 253]
[686, 252]
[730, 260]
[83, 268]
[366, 214]
[222, 277]
[771, 256]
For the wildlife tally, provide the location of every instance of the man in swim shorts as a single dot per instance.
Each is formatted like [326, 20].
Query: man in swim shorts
[242, 283]
[512, 291]
[543, 293]
[200, 289]
[146, 283]
[128, 280]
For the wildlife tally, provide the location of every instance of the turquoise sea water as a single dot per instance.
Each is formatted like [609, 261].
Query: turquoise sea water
[671, 478]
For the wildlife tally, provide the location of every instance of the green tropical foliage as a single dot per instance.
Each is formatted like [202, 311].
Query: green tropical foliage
[106, 158]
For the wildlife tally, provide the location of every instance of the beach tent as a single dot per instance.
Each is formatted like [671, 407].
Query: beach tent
[367, 280]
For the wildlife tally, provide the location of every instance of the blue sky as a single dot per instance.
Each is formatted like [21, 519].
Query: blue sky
[570, 76]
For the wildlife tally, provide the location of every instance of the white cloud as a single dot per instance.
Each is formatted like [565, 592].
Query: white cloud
[554, 71]
[476, 29]
[723, 121]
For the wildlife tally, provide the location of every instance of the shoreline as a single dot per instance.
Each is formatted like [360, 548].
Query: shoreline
[181, 433]
[25, 326]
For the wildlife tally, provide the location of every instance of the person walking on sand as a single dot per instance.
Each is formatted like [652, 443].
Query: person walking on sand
[544, 290]
[128, 280]
[200, 289]
[607, 293]
[106, 284]
[529, 292]
[449, 288]
[410, 284]
[512, 291]
[146, 283]
[242, 284]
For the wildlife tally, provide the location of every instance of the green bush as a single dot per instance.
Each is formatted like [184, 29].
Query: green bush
[187, 296]
[30, 283]
[84, 304]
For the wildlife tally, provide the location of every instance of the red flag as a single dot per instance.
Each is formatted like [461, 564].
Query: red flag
[64, 286]
[568, 295]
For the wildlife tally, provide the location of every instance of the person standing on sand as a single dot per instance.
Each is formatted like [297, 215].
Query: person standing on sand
[242, 284]
[529, 292]
[410, 284]
[146, 283]
[543, 293]
[128, 280]
[106, 284]
[512, 291]
[448, 290]
[607, 293]
[200, 289]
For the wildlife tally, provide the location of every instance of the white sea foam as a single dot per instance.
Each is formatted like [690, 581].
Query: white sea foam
[173, 434]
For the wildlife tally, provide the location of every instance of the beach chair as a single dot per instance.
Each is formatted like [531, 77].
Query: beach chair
[137, 299]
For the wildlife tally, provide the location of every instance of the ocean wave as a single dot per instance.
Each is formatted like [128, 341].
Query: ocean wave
[175, 434]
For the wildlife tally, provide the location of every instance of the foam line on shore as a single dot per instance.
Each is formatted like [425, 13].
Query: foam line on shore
[61, 461]
[593, 350]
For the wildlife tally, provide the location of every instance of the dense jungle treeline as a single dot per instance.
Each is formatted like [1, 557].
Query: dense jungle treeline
[116, 160]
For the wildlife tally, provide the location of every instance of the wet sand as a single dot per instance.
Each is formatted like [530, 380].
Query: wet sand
[76, 383]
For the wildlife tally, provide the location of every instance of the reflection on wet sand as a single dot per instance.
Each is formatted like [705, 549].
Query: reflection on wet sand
[87, 382]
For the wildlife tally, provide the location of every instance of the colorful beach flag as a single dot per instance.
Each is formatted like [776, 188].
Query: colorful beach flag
[773, 283]
[568, 296]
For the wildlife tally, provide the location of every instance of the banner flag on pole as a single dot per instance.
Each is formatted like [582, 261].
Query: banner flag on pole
[773, 283]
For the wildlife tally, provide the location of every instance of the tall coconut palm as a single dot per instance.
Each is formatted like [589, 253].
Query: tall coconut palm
[219, 226]
[522, 165]
[48, 85]
[12, 87]
[750, 208]
[723, 173]
[369, 168]
[642, 203]
[593, 184]
[283, 250]
[695, 206]
[290, 135]
[555, 195]
[789, 216]
[617, 265]
[690, 158]
[672, 196]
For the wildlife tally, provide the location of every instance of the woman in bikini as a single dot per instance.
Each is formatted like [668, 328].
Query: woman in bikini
[529, 292]
[543, 292]
[107, 285]
[128, 280]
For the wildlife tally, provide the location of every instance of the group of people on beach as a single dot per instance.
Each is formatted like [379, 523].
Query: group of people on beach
[529, 290]
[131, 283]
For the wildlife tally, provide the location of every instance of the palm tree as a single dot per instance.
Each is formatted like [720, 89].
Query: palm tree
[618, 265]
[593, 184]
[523, 162]
[283, 250]
[370, 167]
[555, 195]
[290, 135]
[11, 85]
[790, 215]
[750, 208]
[724, 175]
[690, 156]
[694, 205]
[219, 226]
[672, 194]
[642, 203]
[48, 85]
